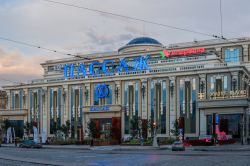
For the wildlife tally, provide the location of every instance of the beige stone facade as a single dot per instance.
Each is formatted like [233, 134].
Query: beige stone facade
[168, 89]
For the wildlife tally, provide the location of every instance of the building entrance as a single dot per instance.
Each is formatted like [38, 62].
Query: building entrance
[109, 128]
[104, 125]
[228, 123]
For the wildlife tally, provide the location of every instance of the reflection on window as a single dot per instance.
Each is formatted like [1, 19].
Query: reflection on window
[103, 101]
[232, 55]
[225, 83]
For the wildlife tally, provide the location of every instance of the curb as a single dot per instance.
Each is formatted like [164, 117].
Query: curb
[70, 148]
[137, 149]
[222, 150]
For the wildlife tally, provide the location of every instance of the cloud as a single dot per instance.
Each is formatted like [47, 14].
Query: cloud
[17, 67]
[75, 30]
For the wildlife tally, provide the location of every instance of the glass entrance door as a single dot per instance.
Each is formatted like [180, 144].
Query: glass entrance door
[228, 123]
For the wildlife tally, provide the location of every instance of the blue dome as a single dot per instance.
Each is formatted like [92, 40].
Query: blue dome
[143, 40]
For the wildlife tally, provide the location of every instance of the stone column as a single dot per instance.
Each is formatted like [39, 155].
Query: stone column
[203, 122]
[48, 110]
[30, 107]
[8, 104]
[245, 51]
[65, 99]
[173, 102]
[88, 94]
[219, 52]
[144, 101]
[44, 110]
[25, 98]
[235, 76]
[25, 103]
[202, 82]
[242, 82]
[118, 90]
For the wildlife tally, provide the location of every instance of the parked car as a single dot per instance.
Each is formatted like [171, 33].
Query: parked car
[29, 144]
[178, 146]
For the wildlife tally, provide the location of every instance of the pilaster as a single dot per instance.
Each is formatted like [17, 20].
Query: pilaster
[65, 104]
[235, 78]
[245, 53]
[144, 101]
[173, 102]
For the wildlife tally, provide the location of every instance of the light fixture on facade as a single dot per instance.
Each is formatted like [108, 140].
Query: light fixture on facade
[116, 92]
[172, 88]
[86, 94]
[202, 86]
[143, 91]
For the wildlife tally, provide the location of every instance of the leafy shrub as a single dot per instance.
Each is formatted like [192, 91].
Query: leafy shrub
[166, 141]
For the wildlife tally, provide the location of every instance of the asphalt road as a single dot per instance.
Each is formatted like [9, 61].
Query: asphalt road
[67, 157]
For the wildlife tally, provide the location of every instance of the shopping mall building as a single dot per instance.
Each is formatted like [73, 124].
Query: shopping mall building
[193, 80]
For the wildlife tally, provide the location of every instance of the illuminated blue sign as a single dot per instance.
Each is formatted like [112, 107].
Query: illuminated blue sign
[99, 108]
[102, 91]
[107, 67]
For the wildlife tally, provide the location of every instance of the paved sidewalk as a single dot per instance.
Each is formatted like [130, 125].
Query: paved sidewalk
[234, 147]
[231, 147]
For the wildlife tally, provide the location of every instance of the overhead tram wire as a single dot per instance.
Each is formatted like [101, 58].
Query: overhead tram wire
[221, 20]
[40, 47]
[134, 18]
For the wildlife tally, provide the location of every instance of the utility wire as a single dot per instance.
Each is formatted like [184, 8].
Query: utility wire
[221, 21]
[9, 80]
[40, 47]
[134, 18]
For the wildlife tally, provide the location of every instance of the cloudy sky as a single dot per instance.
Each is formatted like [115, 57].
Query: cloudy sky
[75, 30]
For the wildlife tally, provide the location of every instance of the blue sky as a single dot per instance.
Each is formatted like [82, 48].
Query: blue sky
[78, 31]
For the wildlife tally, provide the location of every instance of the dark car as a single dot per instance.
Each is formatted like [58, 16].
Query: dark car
[29, 144]
[178, 146]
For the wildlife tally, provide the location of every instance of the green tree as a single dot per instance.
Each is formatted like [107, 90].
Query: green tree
[93, 131]
[54, 127]
[145, 128]
[28, 128]
[6, 124]
[175, 131]
[66, 128]
[134, 127]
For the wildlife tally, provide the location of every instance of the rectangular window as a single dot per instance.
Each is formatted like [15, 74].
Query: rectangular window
[225, 83]
[218, 85]
[232, 55]
[17, 105]
[212, 84]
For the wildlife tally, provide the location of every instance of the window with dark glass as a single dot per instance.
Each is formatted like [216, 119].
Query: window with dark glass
[17, 104]
[218, 85]
[209, 125]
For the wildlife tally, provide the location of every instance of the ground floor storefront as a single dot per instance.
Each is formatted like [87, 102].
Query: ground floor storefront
[228, 120]
[233, 123]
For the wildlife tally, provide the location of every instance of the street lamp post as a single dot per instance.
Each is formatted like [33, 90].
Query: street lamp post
[155, 143]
